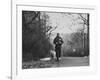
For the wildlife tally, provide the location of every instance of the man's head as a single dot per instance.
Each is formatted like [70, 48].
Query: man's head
[58, 34]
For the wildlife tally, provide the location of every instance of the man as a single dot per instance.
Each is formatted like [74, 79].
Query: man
[58, 43]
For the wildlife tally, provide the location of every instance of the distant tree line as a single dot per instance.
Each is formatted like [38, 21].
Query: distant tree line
[78, 45]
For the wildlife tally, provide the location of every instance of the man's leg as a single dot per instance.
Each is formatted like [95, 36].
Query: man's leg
[60, 52]
[57, 54]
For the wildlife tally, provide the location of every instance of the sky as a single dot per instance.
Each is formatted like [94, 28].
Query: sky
[66, 23]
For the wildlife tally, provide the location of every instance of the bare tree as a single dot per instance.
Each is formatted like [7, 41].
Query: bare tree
[85, 23]
[83, 19]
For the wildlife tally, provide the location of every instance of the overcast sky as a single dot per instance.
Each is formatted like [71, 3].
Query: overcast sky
[65, 23]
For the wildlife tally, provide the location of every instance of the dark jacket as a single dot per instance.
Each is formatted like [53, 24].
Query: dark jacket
[58, 41]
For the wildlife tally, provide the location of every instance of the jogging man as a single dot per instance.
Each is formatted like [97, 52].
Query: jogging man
[58, 41]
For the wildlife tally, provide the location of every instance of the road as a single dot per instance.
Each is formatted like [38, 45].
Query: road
[64, 62]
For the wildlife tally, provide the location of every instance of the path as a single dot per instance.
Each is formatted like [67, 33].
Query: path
[64, 62]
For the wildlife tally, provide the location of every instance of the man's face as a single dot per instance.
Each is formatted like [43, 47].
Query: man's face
[58, 34]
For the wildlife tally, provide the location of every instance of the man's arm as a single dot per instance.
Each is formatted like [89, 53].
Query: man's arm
[62, 41]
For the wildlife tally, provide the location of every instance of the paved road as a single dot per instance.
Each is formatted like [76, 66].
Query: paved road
[64, 62]
[73, 61]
